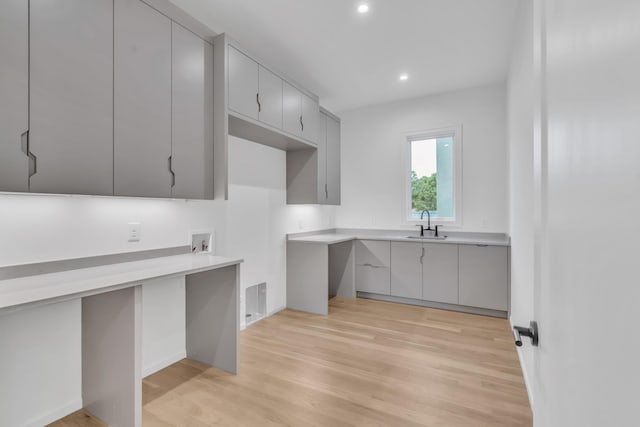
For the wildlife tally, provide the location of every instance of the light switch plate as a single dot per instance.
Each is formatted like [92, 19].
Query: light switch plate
[135, 231]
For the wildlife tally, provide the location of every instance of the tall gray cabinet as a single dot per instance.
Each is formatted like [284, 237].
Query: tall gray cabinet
[14, 95]
[142, 101]
[71, 96]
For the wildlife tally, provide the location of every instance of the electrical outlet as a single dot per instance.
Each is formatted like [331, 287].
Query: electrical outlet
[135, 231]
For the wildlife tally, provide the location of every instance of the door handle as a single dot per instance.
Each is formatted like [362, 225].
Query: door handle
[173, 175]
[33, 160]
[258, 102]
[301, 124]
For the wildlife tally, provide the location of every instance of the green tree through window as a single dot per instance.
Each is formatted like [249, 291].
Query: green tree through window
[424, 192]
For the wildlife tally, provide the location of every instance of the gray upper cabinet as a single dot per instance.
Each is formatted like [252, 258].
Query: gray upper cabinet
[406, 269]
[243, 84]
[270, 98]
[14, 94]
[322, 159]
[291, 110]
[142, 104]
[71, 96]
[484, 277]
[192, 115]
[440, 273]
[332, 160]
[310, 113]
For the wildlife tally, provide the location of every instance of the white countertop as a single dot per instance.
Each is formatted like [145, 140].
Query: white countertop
[491, 239]
[78, 282]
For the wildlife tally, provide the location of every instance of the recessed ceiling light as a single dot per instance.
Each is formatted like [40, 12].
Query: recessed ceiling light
[363, 8]
[403, 77]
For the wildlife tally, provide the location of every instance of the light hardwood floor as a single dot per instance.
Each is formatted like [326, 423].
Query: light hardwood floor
[368, 363]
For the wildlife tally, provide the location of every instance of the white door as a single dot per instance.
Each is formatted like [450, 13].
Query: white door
[243, 84]
[588, 293]
[270, 106]
[291, 109]
[310, 114]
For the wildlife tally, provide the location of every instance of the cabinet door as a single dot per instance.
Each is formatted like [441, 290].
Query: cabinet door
[291, 109]
[333, 161]
[14, 94]
[142, 104]
[71, 96]
[483, 277]
[406, 270]
[440, 273]
[373, 259]
[310, 111]
[192, 115]
[270, 108]
[373, 279]
[243, 84]
[322, 159]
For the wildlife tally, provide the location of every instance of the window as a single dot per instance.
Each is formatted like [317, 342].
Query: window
[434, 184]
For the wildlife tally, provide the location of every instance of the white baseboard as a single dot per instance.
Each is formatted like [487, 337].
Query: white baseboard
[525, 374]
[161, 364]
[62, 412]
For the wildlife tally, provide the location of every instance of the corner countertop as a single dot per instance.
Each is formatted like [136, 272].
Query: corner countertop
[333, 236]
[88, 281]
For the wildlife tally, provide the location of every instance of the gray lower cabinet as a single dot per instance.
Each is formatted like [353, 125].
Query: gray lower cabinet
[440, 273]
[192, 116]
[142, 104]
[14, 94]
[483, 278]
[243, 84]
[71, 96]
[406, 269]
[373, 259]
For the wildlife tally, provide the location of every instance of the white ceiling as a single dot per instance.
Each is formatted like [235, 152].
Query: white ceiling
[352, 60]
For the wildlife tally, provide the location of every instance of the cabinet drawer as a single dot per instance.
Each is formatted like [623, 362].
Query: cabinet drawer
[373, 252]
[374, 279]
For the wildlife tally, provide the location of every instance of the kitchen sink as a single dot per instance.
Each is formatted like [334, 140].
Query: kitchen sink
[427, 237]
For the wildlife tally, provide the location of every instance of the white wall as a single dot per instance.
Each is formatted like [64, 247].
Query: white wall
[520, 122]
[373, 167]
[251, 225]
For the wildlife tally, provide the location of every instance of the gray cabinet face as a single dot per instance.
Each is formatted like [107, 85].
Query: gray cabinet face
[243, 84]
[71, 96]
[270, 109]
[291, 109]
[322, 159]
[142, 104]
[440, 273]
[310, 112]
[373, 259]
[14, 93]
[333, 161]
[483, 277]
[406, 270]
[192, 115]
[373, 279]
[373, 252]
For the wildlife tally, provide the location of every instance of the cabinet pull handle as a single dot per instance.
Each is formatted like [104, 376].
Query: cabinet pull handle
[258, 102]
[33, 160]
[371, 265]
[482, 246]
[326, 192]
[173, 175]
[422, 256]
[301, 124]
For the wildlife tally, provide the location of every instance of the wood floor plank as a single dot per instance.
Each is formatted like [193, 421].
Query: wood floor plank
[368, 363]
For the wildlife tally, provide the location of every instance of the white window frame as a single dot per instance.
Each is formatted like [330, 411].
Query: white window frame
[456, 133]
